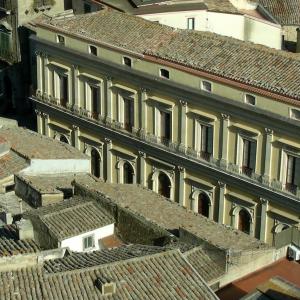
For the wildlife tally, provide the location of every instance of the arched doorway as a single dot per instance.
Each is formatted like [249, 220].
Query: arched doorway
[244, 221]
[203, 204]
[95, 163]
[128, 173]
[164, 185]
[63, 139]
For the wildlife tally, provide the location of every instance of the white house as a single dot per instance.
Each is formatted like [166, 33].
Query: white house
[76, 224]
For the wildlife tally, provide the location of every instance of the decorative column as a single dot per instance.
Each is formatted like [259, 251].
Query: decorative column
[108, 143]
[222, 187]
[76, 133]
[142, 164]
[47, 128]
[39, 121]
[183, 121]
[181, 186]
[109, 99]
[46, 74]
[268, 155]
[75, 84]
[143, 109]
[263, 219]
[39, 71]
[224, 143]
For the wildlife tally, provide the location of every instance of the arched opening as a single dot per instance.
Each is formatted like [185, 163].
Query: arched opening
[244, 221]
[164, 185]
[95, 163]
[203, 205]
[128, 173]
[63, 139]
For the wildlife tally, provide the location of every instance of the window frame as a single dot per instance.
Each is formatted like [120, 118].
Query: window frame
[193, 23]
[128, 59]
[203, 82]
[198, 137]
[166, 76]
[90, 47]
[246, 95]
[158, 130]
[59, 41]
[292, 110]
[92, 236]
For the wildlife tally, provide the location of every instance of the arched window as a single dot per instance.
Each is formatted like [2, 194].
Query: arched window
[203, 205]
[95, 163]
[63, 139]
[244, 221]
[164, 185]
[128, 173]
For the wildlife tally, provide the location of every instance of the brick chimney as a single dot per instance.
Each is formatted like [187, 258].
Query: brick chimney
[25, 230]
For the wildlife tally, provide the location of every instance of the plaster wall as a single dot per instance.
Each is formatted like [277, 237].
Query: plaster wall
[76, 243]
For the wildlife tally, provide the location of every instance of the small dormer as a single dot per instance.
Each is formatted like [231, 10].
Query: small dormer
[106, 286]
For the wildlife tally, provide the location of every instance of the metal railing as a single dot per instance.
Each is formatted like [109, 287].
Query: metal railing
[175, 147]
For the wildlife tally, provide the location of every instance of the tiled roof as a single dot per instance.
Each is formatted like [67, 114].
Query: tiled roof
[71, 217]
[32, 145]
[52, 183]
[162, 276]
[208, 265]
[158, 210]
[101, 257]
[11, 163]
[11, 245]
[286, 12]
[243, 62]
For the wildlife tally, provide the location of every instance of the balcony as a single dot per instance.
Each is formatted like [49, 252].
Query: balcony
[162, 142]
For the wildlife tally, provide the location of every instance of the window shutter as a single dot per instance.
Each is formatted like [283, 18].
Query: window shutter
[297, 172]
[131, 112]
[162, 124]
[210, 140]
[252, 162]
[204, 138]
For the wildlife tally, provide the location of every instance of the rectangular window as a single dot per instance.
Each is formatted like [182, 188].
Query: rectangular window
[88, 242]
[164, 73]
[63, 89]
[127, 61]
[249, 157]
[206, 86]
[191, 23]
[250, 99]
[95, 101]
[60, 39]
[295, 114]
[165, 125]
[204, 140]
[128, 113]
[93, 50]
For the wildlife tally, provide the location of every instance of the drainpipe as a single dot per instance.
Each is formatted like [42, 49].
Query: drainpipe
[298, 40]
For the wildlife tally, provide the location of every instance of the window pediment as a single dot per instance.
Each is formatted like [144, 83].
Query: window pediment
[202, 118]
[245, 131]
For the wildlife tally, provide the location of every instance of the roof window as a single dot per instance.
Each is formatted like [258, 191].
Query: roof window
[164, 73]
[127, 61]
[250, 99]
[206, 86]
[93, 50]
[60, 39]
[295, 114]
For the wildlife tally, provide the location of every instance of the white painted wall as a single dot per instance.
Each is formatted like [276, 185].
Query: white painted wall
[242, 27]
[263, 32]
[57, 166]
[76, 243]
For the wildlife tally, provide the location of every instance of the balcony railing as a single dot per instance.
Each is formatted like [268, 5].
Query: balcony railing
[191, 153]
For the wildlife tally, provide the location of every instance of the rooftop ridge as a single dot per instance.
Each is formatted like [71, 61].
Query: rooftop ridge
[115, 263]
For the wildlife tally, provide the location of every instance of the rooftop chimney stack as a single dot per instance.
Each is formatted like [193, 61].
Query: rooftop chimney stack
[106, 286]
[25, 230]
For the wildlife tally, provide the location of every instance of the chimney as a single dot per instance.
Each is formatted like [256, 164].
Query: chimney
[25, 230]
[106, 286]
[298, 40]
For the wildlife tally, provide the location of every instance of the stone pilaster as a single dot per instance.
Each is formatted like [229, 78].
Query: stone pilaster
[39, 121]
[108, 143]
[263, 219]
[224, 142]
[76, 133]
[183, 122]
[268, 155]
[109, 98]
[181, 186]
[143, 109]
[222, 187]
[142, 165]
